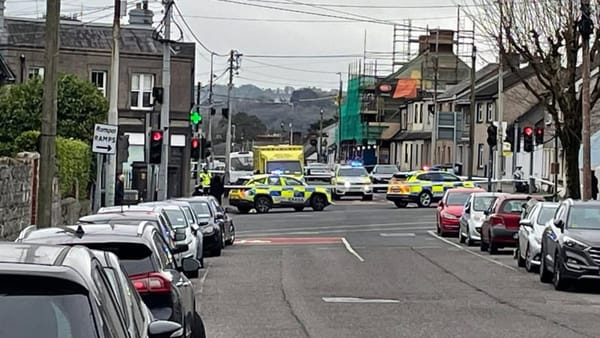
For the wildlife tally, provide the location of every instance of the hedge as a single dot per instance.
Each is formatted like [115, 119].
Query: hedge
[73, 161]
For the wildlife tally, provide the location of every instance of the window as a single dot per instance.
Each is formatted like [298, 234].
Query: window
[163, 252]
[36, 72]
[491, 111]
[99, 79]
[480, 108]
[446, 177]
[141, 91]
[274, 180]
[291, 181]
[415, 113]
[406, 153]
[480, 156]
[108, 304]
[421, 113]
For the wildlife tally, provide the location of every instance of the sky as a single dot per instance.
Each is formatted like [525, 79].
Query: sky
[283, 47]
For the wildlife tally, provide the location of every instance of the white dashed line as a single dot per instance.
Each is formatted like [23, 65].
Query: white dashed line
[349, 248]
[398, 234]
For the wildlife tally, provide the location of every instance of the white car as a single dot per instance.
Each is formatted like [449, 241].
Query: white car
[531, 228]
[473, 216]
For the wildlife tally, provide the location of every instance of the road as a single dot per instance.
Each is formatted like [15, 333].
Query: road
[367, 269]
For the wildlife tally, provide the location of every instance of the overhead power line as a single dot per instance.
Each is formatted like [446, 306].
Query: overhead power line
[292, 69]
[226, 18]
[194, 34]
[337, 11]
[366, 6]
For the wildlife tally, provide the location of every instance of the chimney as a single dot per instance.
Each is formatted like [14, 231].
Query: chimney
[140, 15]
[444, 38]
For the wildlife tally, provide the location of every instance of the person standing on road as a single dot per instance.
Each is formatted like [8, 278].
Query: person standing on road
[120, 190]
[594, 185]
[205, 181]
[216, 187]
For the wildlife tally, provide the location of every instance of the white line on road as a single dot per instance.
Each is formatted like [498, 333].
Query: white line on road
[349, 248]
[432, 233]
[329, 232]
[398, 234]
[335, 227]
[357, 300]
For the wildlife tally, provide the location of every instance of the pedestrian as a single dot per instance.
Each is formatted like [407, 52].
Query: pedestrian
[205, 181]
[594, 185]
[216, 187]
[120, 189]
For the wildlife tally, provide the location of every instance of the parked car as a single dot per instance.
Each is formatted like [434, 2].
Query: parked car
[501, 225]
[571, 244]
[450, 208]
[532, 225]
[212, 229]
[381, 175]
[148, 261]
[64, 292]
[473, 216]
[137, 316]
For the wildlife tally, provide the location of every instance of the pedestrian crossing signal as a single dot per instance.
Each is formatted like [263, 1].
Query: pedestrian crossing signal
[195, 154]
[195, 117]
[156, 142]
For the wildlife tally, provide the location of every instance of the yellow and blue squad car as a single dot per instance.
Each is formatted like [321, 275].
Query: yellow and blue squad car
[264, 192]
[423, 188]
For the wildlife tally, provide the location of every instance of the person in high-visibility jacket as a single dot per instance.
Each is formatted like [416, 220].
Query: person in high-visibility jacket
[205, 181]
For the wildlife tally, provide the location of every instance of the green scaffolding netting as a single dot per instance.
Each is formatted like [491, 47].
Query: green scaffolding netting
[352, 127]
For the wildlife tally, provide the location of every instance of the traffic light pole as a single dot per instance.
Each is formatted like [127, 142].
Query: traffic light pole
[229, 117]
[163, 174]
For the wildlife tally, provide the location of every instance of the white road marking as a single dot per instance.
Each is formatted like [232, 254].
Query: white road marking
[201, 288]
[338, 227]
[261, 234]
[432, 233]
[252, 241]
[349, 248]
[398, 234]
[358, 300]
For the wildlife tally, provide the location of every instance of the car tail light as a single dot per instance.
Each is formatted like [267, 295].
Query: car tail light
[496, 220]
[151, 283]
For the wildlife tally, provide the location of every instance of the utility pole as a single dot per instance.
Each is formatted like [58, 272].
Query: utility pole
[435, 89]
[165, 118]
[110, 175]
[472, 110]
[49, 112]
[233, 66]
[586, 29]
[210, 109]
[500, 106]
[339, 147]
[320, 149]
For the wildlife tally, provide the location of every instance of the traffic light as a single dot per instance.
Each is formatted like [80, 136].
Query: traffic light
[195, 117]
[528, 139]
[195, 155]
[510, 138]
[204, 146]
[157, 94]
[492, 133]
[225, 112]
[539, 135]
[156, 142]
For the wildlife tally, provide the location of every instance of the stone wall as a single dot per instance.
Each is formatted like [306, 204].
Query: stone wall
[16, 190]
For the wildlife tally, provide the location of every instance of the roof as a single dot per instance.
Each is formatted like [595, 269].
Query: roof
[489, 86]
[6, 74]
[405, 135]
[92, 233]
[488, 194]
[115, 217]
[32, 253]
[25, 32]
[463, 189]
[531, 117]
[465, 85]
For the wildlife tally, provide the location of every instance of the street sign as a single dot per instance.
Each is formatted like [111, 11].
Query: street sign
[105, 139]
[506, 152]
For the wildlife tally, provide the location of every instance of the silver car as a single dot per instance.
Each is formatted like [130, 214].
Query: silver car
[531, 228]
[473, 216]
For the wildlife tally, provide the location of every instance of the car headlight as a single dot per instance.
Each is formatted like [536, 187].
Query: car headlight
[448, 215]
[347, 184]
[208, 230]
[574, 244]
[368, 187]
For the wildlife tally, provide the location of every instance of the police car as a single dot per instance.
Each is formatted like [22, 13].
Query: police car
[352, 180]
[423, 188]
[264, 192]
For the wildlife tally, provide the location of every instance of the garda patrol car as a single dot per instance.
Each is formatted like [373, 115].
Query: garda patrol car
[352, 180]
[264, 192]
[423, 188]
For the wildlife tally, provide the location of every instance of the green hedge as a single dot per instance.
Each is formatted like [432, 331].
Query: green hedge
[73, 160]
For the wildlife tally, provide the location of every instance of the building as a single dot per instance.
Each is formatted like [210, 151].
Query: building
[85, 50]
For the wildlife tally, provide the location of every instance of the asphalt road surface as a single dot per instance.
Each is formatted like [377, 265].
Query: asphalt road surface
[367, 269]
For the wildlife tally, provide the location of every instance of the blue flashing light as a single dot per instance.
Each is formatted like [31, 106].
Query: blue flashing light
[277, 172]
[356, 164]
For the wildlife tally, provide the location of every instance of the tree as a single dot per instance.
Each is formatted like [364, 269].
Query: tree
[247, 126]
[545, 36]
[80, 106]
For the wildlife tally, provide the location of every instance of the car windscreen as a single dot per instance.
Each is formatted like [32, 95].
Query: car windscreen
[584, 217]
[457, 198]
[353, 172]
[44, 307]
[546, 214]
[483, 203]
[285, 167]
[177, 218]
[242, 163]
[388, 169]
[201, 209]
[135, 258]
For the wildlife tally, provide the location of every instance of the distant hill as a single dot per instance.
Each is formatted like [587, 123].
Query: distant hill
[300, 106]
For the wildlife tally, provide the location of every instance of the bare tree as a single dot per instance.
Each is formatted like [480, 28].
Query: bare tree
[546, 37]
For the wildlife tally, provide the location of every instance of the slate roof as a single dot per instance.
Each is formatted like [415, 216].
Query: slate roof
[405, 135]
[24, 32]
[481, 75]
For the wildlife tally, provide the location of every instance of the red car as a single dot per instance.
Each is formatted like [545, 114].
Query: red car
[500, 228]
[450, 208]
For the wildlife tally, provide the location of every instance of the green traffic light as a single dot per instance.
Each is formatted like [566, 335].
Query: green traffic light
[195, 117]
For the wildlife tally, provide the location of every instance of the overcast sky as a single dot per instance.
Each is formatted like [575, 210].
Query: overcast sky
[258, 32]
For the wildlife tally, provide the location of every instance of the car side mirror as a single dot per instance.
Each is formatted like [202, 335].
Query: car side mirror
[220, 216]
[486, 212]
[526, 223]
[203, 224]
[164, 329]
[195, 227]
[441, 204]
[559, 224]
[467, 210]
[179, 248]
[190, 265]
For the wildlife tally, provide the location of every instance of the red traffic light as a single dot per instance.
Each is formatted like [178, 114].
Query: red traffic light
[195, 143]
[539, 130]
[157, 135]
[528, 131]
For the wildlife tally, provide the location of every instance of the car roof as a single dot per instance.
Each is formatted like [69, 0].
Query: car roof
[126, 208]
[160, 204]
[581, 202]
[518, 197]
[463, 189]
[128, 215]
[488, 194]
[87, 233]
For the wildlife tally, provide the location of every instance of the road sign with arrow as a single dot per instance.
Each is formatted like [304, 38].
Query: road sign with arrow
[105, 139]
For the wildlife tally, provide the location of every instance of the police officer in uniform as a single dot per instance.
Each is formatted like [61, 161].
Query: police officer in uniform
[205, 181]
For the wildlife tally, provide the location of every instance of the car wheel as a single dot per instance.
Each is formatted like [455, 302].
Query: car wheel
[262, 204]
[520, 260]
[469, 240]
[318, 202]
[425, 199]
[493, 247]
[231, 240]
[223, 239]
[461, 238]
[528, 265]
[299, 209]
[560, 283]
[198, 330]
[483, 246]
[545, 275]
[400, 204]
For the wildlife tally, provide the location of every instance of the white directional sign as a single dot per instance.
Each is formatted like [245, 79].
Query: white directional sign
[105, 139]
